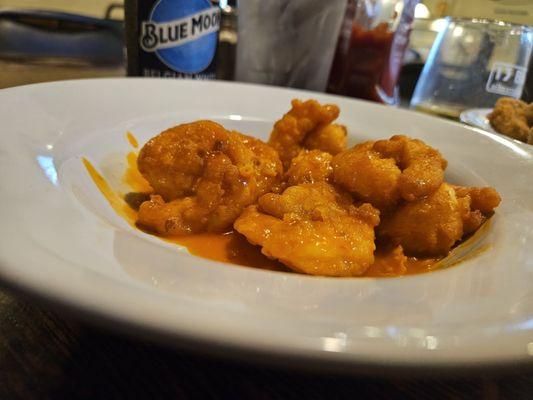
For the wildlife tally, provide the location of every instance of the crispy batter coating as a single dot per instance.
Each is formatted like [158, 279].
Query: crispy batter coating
[429, 226]
[313, 228]
[484, 199]
[476, 204]
[309, 166]
[513, 118]
[384, 171]
[363, 172]
[307, 121]
[422, 166]
[206, 174]
[330, 138]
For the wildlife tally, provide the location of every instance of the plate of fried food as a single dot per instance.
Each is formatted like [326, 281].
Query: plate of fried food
[510, 117]
[272, 224]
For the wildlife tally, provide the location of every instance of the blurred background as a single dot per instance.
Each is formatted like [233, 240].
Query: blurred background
[39, 42]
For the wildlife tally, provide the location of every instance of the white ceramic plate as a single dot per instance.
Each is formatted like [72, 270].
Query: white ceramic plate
[60, 240]
[477, 117]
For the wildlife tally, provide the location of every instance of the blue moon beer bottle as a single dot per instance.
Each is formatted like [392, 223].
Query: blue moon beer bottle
[172, 38]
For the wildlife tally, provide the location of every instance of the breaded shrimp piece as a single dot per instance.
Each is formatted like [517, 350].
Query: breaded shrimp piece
[313, 228]
[205, 176]
[309, 166]
[367, 175]
[429, 226]
[290, 132]
[382, 172]
[512, 117]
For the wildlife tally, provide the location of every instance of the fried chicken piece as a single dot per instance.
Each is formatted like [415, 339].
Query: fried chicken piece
[204, 177]
[309, 166]
[314, 229]
[384, 171]
[306, 121]
[476, 205]
[428, 226]
[513, 118]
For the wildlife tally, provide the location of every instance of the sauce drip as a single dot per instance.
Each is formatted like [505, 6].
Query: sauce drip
[115, 201]
[133, 178]
[233, 247]
[132, 139]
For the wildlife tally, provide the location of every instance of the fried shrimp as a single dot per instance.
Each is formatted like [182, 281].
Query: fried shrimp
[203, 176]
[380, 208]
[313, 228]
[431, 226]
[307, 123]
[384, 171]
[366, 174]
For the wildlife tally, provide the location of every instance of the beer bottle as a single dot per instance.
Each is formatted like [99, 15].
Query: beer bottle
[172, 38]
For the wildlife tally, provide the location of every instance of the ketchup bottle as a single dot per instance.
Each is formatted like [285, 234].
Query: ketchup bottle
[370, 49]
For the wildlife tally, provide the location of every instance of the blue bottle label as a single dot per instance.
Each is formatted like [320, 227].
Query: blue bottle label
[182, 34]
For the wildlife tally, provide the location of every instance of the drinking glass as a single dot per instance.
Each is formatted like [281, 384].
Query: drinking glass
[287, 42]
[472, 63]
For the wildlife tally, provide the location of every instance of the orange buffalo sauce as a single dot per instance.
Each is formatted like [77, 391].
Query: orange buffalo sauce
[132, 177]
[114, 199]
[233, 247]
[132, 139]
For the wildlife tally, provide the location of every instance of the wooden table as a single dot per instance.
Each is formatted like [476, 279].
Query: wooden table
[44, 355]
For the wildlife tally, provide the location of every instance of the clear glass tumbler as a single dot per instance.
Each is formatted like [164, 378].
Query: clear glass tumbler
[472, 63]
[287, 42]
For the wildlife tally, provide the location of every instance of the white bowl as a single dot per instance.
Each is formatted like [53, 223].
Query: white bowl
[61, 241]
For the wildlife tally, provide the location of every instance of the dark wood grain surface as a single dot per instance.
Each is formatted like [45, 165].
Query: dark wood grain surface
[44, 355]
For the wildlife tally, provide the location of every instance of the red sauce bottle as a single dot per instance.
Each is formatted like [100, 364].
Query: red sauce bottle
[369, 54]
